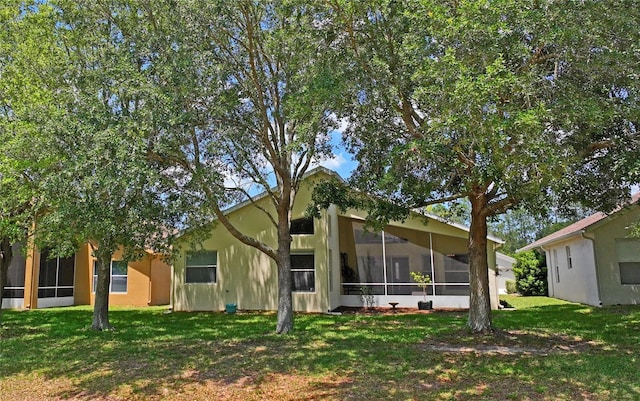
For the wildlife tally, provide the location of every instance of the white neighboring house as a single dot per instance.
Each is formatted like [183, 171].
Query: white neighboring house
[594, 261]
[504, 271]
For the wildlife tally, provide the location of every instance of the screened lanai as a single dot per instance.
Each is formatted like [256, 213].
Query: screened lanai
[380, 263]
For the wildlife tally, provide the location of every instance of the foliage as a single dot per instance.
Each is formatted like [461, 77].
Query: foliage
[27, 60]
[88, 112]
[457, 211]
[511, 287]
[530, 271]
[373, 356]
[423, 280]
[493, 102]
[246, 90]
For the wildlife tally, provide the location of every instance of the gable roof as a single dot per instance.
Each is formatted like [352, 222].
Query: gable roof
[323, 170]
[578, 227]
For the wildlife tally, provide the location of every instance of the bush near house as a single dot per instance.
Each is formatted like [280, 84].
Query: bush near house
[511, 287]
[530, 271]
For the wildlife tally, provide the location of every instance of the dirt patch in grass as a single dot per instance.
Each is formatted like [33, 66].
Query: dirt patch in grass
[509, 343]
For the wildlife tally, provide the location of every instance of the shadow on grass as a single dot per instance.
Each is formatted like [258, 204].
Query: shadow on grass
[152, 354]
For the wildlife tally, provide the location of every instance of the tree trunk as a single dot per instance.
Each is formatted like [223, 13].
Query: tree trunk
[285, 301]
[479, 301]
[6, 254]
[101, 304]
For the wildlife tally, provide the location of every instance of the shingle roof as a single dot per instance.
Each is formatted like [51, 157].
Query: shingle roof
[575, 228]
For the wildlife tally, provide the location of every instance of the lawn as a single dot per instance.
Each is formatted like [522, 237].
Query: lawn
[543, 350]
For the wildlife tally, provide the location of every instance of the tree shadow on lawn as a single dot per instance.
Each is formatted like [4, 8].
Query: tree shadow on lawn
[157, 355]
[151, 355]
[612, 324]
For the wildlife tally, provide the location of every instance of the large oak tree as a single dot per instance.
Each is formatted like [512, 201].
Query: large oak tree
[76, 114]
[252, 114]
[495, 102]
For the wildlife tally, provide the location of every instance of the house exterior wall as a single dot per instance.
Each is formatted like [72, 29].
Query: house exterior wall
[579, 282]
[140, 282]
[605, 236]
[494, 299]
[84, 276]
[160, 282]
[333, 255]
[140, 277]
[246, 276]
[501, 280]
[504, 272]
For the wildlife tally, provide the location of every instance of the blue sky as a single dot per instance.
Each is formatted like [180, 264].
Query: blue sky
[342, 161]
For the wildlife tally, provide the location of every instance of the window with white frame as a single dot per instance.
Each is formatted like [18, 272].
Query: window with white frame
[201, 267]
[303, 272]
[628, 253]
[118, 276]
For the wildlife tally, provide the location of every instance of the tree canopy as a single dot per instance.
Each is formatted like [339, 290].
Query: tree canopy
[495, 102]
[79, 137]
[256, 91]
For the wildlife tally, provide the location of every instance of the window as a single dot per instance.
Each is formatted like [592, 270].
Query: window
[569, 261]
[303, 272]
[302, 226]
[201, 267]
[555, 260]
[119, 276]
[628, 252]
[118, 280]
[56, 276]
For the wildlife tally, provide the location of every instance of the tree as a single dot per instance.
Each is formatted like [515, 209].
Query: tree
[252, 114]
[476, 100]
[100, 187]
[530, 271]
[25, 54]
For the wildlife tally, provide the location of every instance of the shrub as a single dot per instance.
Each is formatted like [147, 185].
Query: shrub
[530, 271]
[511, 287]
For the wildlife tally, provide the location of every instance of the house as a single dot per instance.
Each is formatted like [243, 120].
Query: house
[594, 261]
[333, 259]
[504, 271]
[36, 280]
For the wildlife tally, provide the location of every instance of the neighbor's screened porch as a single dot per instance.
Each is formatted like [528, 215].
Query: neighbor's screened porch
[380, 263]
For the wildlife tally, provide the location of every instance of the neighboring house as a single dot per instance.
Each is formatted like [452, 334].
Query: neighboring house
[37, 281]
[593, 261]
[333, 259]
[504, 271]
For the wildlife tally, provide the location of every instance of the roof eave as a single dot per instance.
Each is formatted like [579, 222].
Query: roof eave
[541, 245]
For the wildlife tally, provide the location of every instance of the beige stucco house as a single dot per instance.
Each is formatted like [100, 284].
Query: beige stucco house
[593, 261]
[333, 259]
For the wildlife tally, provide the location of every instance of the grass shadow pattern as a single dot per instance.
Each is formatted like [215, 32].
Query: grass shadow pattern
[585, 353]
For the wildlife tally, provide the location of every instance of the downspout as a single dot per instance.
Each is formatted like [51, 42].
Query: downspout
[595, 264]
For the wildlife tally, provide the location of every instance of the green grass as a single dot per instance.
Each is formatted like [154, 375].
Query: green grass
[550, 350]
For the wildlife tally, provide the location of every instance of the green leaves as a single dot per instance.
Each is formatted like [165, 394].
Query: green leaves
[530, 273]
